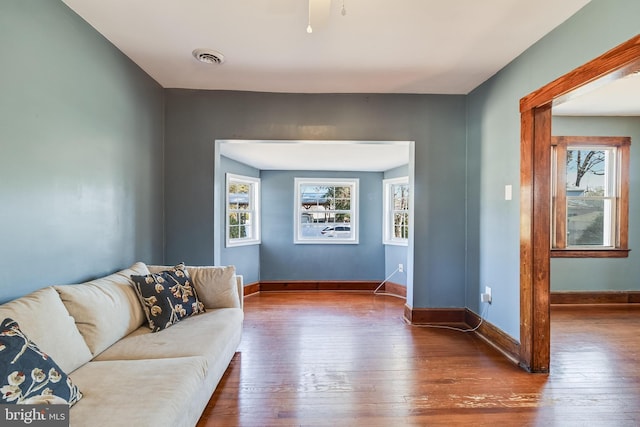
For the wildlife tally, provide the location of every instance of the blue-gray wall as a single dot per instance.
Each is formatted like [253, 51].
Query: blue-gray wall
[278, 258]
[494, 147]
[81, 146]
[281, 259]
[81, 132]
[195, 119]
[591, 274]
[396, 254]
[246, 259]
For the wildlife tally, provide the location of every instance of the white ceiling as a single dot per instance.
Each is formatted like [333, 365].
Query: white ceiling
[374, 156]
[617, 98]
[379, 46]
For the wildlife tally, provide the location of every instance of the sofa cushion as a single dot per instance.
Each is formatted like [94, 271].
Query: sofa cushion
[141, 393]
[44, 319]
[214, 335]
[167, 297]
[105, 309]
[206, 334]
[27, 374]
[217, 286]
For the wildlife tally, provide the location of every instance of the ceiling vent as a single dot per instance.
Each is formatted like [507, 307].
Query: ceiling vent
[208, 56]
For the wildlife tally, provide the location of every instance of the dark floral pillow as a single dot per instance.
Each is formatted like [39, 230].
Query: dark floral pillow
[29, 376]
[167, 297]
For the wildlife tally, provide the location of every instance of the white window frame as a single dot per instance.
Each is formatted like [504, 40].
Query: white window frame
[298, 234]
[609, 198]
[253, 210]
[388, 211]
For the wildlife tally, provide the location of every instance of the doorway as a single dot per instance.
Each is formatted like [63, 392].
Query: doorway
[276, 158]
[535, 204]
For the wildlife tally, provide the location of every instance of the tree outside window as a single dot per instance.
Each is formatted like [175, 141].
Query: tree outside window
[590, 197]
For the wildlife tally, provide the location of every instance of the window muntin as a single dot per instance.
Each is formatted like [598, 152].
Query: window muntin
[590, 196]
[396, 211]
[243, 210]
[326, 210]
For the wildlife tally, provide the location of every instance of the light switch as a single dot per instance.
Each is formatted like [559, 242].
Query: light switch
[508, 192]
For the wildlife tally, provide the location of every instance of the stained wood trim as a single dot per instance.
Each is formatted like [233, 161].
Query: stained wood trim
[448, 316]
[252, 288]
[623, 206]
[535, 198]
[494, 336]
[622, 59]
[535, 238]
[559, 196]
[586, 253]
[540, 346]
[395, 289]
[408, 314]
[615, 141]
[595, 297]
[304, 285]
[365, 286]
[526, 238]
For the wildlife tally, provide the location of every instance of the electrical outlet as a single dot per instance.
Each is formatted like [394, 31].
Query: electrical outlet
[400, 268]
[486, 295]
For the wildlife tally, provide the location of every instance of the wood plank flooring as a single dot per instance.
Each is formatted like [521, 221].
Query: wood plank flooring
[348, 359]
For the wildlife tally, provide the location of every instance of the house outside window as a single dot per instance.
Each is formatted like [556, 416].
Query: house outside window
[590, 196]
[243, 210]
[396, 211]
[326, 211]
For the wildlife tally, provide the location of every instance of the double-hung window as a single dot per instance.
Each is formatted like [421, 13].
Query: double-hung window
[326, 210]
[590, 196]
[243, 210]
[396, 211]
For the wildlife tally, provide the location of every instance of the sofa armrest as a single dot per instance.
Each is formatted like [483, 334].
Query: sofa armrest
[240, 284]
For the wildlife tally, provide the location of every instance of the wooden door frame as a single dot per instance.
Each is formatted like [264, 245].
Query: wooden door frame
[535, 192]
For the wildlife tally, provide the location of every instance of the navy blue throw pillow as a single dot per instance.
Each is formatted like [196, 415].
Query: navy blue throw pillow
[28, 375]
[167, 297]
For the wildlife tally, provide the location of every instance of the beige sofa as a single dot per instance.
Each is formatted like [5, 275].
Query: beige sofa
[98, 334]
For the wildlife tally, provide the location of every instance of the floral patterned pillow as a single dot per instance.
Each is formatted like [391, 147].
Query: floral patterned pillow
[167, 297]
[28, 375]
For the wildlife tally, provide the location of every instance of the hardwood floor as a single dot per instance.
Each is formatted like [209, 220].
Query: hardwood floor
[348, 359]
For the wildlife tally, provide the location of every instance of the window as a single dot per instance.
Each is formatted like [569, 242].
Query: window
[590, 196]
[396, 211]
[243, 210]
[326, 210]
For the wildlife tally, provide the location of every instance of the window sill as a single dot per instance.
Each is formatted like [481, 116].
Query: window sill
[590, 253]
[396, 242]
[239, 243]
[326, 242]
